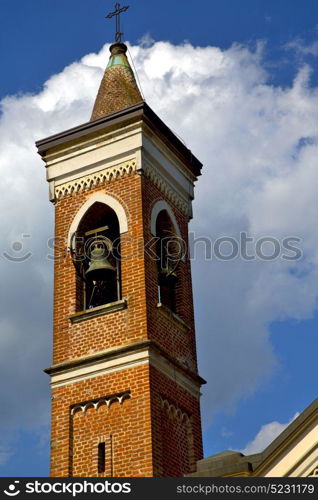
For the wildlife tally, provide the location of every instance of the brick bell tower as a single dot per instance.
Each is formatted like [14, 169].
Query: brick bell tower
[124, 378]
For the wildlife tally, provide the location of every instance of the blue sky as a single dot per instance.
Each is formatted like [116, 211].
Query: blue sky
[39, 39]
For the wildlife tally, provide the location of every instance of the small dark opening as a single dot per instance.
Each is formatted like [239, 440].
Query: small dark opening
[167, 292]
[101, 458]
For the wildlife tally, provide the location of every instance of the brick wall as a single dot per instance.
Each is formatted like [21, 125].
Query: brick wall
[75, 437]
[75, 340]
[177, 339]
[176, 431]
[141, 437]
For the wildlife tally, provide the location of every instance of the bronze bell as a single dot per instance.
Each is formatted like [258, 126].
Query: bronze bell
[100, 269]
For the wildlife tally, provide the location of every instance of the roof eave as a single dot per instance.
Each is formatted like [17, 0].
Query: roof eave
[140, 111]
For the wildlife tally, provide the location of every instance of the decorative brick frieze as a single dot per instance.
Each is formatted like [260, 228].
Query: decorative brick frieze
[87, 182]
[169, 192]
[172, 411]
[108, 401]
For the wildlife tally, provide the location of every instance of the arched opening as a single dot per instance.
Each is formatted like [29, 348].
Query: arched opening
[168, 259]
[96, 256]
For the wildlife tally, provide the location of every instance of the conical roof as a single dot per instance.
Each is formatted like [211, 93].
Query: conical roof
[118, 89]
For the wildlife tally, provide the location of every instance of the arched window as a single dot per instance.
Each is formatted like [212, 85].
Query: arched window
[168, 254]
[96, 255]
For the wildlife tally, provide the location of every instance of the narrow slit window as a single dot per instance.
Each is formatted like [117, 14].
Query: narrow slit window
[101, 458]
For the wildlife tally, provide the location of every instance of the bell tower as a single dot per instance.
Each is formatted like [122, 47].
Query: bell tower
[124, 378]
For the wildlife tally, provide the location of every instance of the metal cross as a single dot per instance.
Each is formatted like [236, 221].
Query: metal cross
[117, 13]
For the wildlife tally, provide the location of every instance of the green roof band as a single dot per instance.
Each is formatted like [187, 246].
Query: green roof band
[118, 60]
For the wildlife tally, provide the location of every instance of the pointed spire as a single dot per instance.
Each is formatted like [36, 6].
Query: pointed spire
[118, 89]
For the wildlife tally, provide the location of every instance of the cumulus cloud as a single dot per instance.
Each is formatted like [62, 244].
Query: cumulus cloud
[26, 226]
[258, 143]
[259, 146]
[265, 436]
[303, 49]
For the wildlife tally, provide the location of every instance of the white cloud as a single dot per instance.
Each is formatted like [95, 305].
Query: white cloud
[303, 49]
[259, 145]
[265, 436]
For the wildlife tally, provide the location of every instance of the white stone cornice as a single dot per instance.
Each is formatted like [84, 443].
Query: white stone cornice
[143, 356]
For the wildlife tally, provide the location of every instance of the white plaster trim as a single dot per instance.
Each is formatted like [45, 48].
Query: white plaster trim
[89, 144]
[124, 362]
[101, 198]
[294, 454]
[306, 466]
[152, 142]
[170, 192]
[158, 207]
[112, 165]
[99, 368]
[86, 182]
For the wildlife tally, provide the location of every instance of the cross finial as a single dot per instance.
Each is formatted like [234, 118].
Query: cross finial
[118, 11]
